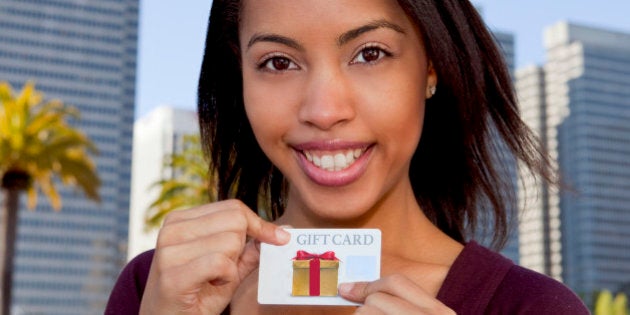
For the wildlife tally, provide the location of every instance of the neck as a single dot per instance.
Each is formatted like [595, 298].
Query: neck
[406, 232]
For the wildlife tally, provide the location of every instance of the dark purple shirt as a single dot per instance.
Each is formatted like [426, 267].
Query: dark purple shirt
[479, 282]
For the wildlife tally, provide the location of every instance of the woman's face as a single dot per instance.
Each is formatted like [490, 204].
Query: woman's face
[334, 91]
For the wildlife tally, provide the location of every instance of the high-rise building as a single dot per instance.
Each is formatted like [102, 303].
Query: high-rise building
[539, 248]
[157, 135]
[580, 103]
[511, 251]
[83, 53]
[505, 42]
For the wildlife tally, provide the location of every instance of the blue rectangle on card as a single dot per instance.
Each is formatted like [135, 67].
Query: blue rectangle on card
[360, 268]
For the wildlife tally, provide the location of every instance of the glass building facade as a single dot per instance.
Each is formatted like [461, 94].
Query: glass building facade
[583, 118]
[83, 53]
[507, 169]
[506, 43]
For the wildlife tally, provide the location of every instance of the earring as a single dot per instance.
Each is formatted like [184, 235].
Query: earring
[432, 90]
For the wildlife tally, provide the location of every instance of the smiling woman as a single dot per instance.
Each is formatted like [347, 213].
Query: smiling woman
[350, 114]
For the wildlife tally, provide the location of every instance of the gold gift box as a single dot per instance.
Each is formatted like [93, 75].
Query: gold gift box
[328, 275]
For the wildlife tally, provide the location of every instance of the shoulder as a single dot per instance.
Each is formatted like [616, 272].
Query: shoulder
[481, 281]
[524, 291]
[127, 293]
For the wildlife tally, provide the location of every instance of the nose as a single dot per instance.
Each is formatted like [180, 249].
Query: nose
[327, 100]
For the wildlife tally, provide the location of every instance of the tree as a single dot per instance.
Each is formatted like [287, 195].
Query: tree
[37, 149]
[606, 305]
[188, 185]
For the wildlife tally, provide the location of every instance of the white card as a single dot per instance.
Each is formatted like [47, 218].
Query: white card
[308, 270]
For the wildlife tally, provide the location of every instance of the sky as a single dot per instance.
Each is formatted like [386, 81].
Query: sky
[172, 34]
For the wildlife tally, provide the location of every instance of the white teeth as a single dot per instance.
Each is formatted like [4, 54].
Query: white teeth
[328, 163]
[350, 156]
[334, 162]
[340, 162]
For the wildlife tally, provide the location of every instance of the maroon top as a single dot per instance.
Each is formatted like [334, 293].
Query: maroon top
[479, 282]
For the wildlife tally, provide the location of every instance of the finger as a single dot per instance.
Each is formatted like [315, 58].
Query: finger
[249, 258]
[368, 310]
[216, 221]
[209, 280]
[214, 268]
[230, 244]
[196, 212]
[389, 304]
[181, 226]
[396, 285]
[264, 231]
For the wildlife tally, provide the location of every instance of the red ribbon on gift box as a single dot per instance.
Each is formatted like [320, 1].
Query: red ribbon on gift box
[313, 268]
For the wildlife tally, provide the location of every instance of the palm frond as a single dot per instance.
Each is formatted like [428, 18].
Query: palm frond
[189, 187]
[36, 137]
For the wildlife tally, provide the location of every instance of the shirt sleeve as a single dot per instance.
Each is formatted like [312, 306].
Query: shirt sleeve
[127, 294]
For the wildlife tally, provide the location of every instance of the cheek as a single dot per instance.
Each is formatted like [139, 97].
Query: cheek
[264, 104]
[403, 118]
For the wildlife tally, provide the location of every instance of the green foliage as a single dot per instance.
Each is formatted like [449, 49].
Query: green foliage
[36, 139]
[190, 185]
[605, 304]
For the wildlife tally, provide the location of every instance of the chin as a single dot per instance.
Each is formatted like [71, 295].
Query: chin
[339, 215]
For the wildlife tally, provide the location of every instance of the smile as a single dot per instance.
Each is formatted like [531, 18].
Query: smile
[335, 160]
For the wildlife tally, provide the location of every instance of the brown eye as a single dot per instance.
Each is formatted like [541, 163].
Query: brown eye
[280, 63]
[371, 54]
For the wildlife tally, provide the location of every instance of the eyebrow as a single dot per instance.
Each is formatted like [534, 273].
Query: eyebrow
[274, 38]
[354, 33]
[341, 40]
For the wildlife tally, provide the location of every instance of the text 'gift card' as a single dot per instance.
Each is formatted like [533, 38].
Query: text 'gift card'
[308, 270]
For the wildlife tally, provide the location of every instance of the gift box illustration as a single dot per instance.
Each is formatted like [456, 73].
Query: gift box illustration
[315, 274]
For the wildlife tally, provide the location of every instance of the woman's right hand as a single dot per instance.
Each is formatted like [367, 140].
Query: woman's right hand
[202, 255]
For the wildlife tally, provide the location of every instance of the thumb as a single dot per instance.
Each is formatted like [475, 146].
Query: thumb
[251, 255]
[249, 258]
[354, 291]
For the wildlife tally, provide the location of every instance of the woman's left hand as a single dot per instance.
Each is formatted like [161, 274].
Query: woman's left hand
[395, 294]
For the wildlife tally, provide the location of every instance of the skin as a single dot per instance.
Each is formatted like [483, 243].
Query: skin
[342, 75]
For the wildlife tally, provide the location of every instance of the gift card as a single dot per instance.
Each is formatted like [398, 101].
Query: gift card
[308, 270]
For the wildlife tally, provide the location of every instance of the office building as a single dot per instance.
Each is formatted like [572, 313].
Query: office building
[511, 251]
[157, 135]
[83, 53]
[583, 120]
[508, 172]
[536, 221]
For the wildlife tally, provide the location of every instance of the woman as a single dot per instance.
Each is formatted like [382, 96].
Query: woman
[354, 114]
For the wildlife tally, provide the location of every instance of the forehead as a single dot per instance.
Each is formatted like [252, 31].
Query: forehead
[315, 15]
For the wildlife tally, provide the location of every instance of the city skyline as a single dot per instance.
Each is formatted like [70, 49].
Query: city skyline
[578, 103]
[83, 53]
[172, 38]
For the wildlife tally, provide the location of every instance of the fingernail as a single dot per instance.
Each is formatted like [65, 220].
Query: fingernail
[282, 235]
[345, 288]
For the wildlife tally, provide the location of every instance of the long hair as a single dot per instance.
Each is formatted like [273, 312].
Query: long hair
[454, 172]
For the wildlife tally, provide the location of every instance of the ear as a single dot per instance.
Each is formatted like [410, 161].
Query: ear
[432, 81]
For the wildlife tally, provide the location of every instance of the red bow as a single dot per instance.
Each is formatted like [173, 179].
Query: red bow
[304, 255]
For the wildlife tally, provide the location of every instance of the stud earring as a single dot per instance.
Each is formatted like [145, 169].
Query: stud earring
[432, 90]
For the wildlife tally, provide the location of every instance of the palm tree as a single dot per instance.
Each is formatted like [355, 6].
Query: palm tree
[187, 186]
[37, 148]
[605, 304]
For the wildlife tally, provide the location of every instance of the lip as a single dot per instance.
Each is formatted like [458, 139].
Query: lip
[333, 178]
